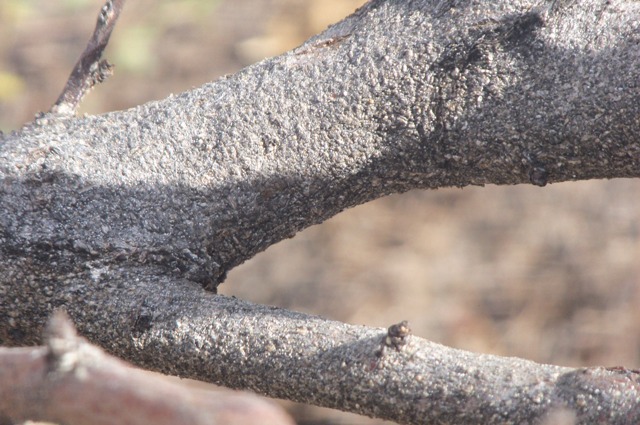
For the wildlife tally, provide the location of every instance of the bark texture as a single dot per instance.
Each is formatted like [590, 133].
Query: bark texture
[122, 218]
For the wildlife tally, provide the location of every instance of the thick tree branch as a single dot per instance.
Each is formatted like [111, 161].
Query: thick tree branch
[398, 96]
[120, 217]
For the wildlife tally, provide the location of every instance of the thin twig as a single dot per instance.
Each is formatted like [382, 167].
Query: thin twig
[89, 69]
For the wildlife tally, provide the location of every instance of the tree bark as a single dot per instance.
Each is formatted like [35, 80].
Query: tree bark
[122, 218]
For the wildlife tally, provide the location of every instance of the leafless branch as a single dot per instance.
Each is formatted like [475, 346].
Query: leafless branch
[122, 218]
[72, 382]
[89, 69]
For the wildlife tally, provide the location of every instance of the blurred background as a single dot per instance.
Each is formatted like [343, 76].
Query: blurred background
[549, 274]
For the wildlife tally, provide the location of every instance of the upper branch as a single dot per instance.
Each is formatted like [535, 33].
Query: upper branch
[402, 94]
[90, 70]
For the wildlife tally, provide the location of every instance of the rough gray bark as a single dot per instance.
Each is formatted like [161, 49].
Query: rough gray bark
[121, 218]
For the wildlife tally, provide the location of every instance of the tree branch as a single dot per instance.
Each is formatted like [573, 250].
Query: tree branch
[176, 328]
[69, 381]
[89, 69]
[119, 218]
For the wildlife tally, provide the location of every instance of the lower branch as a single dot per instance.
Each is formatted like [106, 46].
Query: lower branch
[175, 327]
[72, 382]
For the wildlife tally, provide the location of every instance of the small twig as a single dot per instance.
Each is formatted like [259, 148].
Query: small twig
[89, 69]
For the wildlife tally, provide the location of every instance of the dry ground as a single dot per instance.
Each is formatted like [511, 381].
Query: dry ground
[550, 274]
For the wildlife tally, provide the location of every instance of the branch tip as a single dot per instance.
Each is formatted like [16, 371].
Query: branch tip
[90, 70]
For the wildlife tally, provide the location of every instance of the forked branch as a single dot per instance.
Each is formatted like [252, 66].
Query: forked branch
[123, 218]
